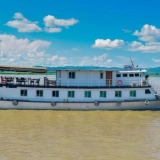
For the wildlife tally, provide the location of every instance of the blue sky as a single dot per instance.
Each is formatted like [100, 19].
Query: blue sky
[80, 33]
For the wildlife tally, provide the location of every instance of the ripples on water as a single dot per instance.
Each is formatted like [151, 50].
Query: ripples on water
[80, 135]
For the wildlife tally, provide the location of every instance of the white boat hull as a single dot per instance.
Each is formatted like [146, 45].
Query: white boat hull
[120, 105]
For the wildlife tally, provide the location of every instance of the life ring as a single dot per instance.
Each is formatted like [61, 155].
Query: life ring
[53, 103]
[14, 102]
[119, 82]
[3, 80]
[146, 102]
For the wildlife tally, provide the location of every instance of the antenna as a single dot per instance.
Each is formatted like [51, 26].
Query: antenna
[132, 62]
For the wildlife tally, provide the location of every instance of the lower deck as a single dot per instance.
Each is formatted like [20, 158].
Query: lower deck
[75, 94]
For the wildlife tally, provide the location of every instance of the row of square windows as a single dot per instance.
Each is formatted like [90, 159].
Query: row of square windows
[87, 94]
[128, 75]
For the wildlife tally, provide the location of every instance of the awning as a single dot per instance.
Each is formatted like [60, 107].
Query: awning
[23, 69]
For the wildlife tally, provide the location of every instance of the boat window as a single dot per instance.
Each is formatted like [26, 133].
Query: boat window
[147, 91]
[137, 75]
[101, 75]
[124, 75]
[118, 94]
[72, 75]
[131, 75]
[23, 92]
[55, 93]
[87, 94]
[39, 93]
[118, 75]
[103, 94]
[70, 93]
[133, 93]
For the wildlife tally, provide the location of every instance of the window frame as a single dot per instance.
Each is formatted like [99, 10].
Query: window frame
[131, 75]
[137, 75]
[118, 75]
[24, 94]
[55, 93]
[71, 75]
[118, 94]
[101, 75]
[40, 94]
[71, 94]
[87, 94]
[147, 91]
[102, 94]
[125, 75]
[132, 93]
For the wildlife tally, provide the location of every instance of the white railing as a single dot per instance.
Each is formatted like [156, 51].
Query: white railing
[155, 87]
[27, 81]
[76, 82]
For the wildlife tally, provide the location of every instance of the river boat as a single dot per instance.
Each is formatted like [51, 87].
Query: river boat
[79, 89]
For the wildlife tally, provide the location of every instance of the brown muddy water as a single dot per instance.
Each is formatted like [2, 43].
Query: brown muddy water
[79, 135]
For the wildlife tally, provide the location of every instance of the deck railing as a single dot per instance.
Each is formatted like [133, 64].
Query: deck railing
[155, 87]
[73, 82]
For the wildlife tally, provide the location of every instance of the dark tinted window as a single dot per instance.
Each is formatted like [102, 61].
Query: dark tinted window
[124, 75]
[131, 75]
[55, 93]
[137, 75]
[147, 91]
[118, 75]
[101, 75]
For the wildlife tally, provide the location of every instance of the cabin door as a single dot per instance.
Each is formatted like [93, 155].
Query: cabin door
[108, 78]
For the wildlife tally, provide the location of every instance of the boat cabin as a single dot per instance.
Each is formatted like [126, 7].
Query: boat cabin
[101, 78]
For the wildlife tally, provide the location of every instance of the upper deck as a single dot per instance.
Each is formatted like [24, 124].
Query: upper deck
[81, 78]
[108, 78]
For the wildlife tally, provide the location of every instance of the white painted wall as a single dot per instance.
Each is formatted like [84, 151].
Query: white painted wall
[14, 93]
[82, 78]
[92, 78]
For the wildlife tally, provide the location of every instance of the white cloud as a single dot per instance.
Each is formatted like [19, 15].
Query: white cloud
[101, 60]
[53, 30]
[126, 31]
[148, 33]
[23, 24]
[156, 60]
[108, 44]
[51, 21]
[22, 51]
[151, 47]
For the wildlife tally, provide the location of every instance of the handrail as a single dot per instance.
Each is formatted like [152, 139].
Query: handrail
[155, 87]
[74, 82]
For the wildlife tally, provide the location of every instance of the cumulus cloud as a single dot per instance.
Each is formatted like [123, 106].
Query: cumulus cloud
[101, 60]
[22, 51]
[53, 30]
[51, 21]
[151, 47]
[52, 24]
[156, 60]
[148, 33]
[22, 24]
[108, 44]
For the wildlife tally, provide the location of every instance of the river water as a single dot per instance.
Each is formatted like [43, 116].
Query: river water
[79, 135]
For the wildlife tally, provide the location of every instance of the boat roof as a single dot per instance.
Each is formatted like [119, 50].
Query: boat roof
[133, 71]
[23, 69]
